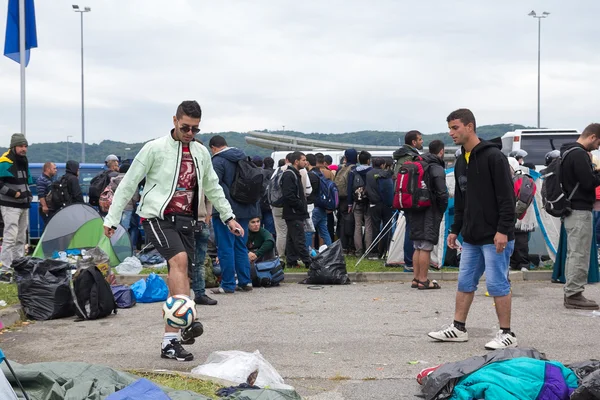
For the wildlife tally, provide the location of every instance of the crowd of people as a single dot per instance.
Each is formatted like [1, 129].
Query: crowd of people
[184, 192]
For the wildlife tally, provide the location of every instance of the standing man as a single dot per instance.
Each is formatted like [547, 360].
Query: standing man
[15, 198]
[484, 206]
[579, 180]
[265, 208]
[232, 251]
[108, 164]
[178, 173]
[43, 184]
[295, 211]
[73, 187]
[357, 191]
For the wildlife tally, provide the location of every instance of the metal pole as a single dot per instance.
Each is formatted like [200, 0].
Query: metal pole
[82, 99]
[539, 51]
[22, 61]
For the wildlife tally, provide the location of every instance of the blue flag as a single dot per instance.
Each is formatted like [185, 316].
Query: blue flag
[11, 45]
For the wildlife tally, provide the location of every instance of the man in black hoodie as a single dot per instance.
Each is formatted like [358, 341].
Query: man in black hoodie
[484, 206]
[579, 180]
[295, 211]
[72, 177]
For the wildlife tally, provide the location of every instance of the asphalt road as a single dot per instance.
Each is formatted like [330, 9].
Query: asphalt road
[338, 342]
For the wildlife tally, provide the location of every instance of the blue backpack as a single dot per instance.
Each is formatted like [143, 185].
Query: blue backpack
[267, 273]
[328, 196]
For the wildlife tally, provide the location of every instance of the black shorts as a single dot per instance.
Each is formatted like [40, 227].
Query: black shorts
[169, 241]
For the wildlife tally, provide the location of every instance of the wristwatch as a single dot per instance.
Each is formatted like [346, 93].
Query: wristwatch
[229, 219]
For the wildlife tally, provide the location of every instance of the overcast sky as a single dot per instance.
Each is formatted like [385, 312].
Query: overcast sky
[313, 66]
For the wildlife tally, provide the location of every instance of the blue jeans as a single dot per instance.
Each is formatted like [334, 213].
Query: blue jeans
[269, 222]
[233, 254]
[126, 219]
[475, 260]
[198, 278]
[408, 247]
[319, 218]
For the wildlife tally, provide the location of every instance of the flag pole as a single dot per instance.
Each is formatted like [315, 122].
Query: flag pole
[22, 60]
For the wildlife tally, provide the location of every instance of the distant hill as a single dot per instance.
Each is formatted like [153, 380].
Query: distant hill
[96, 153]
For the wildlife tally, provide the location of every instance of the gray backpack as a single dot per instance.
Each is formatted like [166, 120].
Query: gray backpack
[274, 190]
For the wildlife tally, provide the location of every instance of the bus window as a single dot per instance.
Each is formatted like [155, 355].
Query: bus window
[537, 146]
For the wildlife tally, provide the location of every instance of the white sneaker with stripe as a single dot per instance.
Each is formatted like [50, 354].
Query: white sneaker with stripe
[449, 334]
[502, 341]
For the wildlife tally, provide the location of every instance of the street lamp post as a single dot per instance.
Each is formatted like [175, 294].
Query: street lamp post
[81, 11]
[539, 18]
[69, 136]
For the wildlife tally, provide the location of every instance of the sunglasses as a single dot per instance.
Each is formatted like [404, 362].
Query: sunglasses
[187, 128]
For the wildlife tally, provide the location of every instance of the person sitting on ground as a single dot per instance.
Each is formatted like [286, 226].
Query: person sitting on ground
[261, 245]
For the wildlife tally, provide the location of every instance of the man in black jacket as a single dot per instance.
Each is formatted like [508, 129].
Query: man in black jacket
[425, 224]
[295, 211]
[579, 180]
[72, 177]
[484, 206]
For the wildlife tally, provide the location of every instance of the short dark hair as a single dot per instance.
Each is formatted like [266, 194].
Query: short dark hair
[465, 116]
[268, 163]
[191, 108]
[295, 156]
[378, 162]
[436, 146]
[312, 160]
[288, 156]
[389, 161]
[257, 216]
[591, 129]
[281, 162]
[217, 141]
[411, 136]
[364, 157]
[328, 159]
[320, 158]
[529, 165]
[124, 168]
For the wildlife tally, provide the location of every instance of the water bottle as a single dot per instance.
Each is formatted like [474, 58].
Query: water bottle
[313, 252]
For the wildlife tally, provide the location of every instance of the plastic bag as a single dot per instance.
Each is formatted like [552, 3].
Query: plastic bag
[329, 267]
[236, 366]
[129, 266]
[589, 388]
[151, 290]
[43, 287]
[124, 296]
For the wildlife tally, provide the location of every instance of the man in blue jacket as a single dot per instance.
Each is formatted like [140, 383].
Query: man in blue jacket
[232, 251]
[43, 184]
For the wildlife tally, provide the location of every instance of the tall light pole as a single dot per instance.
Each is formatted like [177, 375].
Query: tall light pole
[80, 11]
[68, 136]
[539, 18]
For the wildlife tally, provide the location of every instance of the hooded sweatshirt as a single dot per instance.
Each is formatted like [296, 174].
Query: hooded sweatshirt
[225, 164]
[577, 167]
[14, 177]
[360, 169]
[73, 186]
[484, 198]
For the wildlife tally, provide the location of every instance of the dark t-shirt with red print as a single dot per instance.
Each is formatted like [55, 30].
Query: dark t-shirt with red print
[182, 200]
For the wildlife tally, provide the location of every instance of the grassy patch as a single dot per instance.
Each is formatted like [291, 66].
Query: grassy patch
[8, 293]
[181, 382]
[338, 377]
[159, 271]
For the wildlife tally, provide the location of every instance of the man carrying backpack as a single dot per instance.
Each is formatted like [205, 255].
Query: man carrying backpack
[71, 177]
[345, 228]
[579, 181]
[178, 172]
[318, 214]
[357, 191]
[377, 179]
[233, 255]
[265, 208]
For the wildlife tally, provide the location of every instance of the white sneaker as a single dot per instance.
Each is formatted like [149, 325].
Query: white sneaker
[449, 334]
[502, 341]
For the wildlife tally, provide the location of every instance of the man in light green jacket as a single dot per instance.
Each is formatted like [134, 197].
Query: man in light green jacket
[178, 172]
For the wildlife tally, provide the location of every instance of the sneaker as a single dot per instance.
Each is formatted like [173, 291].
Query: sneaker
[246, 288]
[175, 351]
[204, 300]
[189, 334]
[408, 269]
[577, 301]
[449, 334]
[502, 341]
[220, 290]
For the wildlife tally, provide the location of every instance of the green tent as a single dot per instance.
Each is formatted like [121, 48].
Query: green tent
[79, 226]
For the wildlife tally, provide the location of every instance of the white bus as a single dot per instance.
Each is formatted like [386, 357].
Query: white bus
[336, 155]
[537, 142]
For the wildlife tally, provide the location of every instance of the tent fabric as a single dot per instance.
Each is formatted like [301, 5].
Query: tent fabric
[79, 226]
[558, 271]
[6, 390]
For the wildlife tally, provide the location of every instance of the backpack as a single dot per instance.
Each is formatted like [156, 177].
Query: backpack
[266, 273]
[328, 195]
[97, 186]
[341, 181]
[124, 297]
[554, 198]
[247, 186]
[264, 200]
[59, 197]
[93, 296]
[411, 192]
[525, 189]
[360, 189]
[106, 198]
[274, 190]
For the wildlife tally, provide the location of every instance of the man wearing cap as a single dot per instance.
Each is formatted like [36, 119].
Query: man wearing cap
[15, 199]
[110, 157]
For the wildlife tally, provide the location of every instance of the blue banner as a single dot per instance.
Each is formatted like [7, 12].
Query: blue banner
[11, 45]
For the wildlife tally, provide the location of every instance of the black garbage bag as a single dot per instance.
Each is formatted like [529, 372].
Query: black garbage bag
[329, 267]
[43, 288]
[589, 388]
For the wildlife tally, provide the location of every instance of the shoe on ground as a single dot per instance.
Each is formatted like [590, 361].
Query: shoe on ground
[408, 269]
[175, 351]
[246, 288]
[189, 334]
[204, 300]
[578, 302]
[502, 341]
[220, 290]
[449, 334]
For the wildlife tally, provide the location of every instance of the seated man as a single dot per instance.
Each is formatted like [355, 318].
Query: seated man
[261, 245]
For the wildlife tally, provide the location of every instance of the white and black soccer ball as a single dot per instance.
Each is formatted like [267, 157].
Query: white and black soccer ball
[179, 311]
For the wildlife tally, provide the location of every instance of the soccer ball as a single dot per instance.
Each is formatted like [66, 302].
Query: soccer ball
[179, 311]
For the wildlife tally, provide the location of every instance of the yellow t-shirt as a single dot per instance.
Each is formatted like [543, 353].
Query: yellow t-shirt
[467, 155]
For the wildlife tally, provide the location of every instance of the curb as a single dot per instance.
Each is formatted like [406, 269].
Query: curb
[295, 277]
[11, 315]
